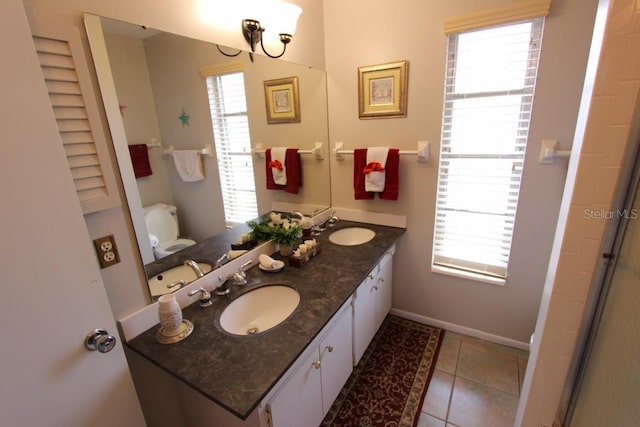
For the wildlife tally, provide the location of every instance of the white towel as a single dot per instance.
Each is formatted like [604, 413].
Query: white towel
[279, 176]
[374, 181]
[188, 165]
[267, 262]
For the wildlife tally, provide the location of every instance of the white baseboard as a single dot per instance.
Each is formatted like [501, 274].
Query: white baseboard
[461, 329]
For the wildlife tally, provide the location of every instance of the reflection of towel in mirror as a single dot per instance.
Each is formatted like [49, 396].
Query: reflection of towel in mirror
[140, 160]
[188, 165]
[293, 168]
[278, 165]
[374, 171]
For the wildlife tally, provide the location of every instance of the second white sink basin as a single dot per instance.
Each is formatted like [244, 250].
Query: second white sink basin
[259, 310]
[158, 283]
[351, 236]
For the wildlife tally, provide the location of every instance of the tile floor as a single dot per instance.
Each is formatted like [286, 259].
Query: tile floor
[475, 383]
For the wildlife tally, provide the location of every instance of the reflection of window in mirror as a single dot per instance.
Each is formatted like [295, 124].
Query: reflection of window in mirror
[233, 148]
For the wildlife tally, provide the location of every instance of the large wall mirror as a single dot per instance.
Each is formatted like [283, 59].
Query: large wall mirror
[155, 94]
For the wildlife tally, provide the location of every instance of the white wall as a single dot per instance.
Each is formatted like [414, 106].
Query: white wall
[413, 30]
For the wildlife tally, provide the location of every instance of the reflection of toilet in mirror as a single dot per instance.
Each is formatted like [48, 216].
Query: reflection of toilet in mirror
[162, 225]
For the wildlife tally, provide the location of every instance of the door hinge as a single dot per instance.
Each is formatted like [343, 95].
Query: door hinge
[608, 257]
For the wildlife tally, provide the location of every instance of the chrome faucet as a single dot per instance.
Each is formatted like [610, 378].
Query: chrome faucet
[237, 278]
[195, 267]
[330, 222]
[220, 261]
[178, 284]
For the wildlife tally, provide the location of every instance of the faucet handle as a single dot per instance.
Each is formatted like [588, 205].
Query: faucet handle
[180, 284]
[205, 296]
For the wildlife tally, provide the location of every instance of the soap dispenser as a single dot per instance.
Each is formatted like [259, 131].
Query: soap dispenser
[170, 315]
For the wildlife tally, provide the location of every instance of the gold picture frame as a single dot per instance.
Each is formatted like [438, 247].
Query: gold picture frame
[282, 100]
[382, 90]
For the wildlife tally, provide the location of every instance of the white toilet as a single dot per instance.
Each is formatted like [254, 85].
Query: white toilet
[162, 226]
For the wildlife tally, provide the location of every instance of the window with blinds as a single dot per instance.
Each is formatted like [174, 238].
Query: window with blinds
[489, 86]
[233, 148]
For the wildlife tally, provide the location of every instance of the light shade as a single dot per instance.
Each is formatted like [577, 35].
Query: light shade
[283, 18]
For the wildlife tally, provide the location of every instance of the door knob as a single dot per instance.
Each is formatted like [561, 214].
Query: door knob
[99, 339]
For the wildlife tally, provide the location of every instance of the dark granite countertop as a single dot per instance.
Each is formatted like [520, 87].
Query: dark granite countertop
[236, 372]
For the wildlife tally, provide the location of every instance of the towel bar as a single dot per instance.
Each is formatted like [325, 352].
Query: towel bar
[422, 152]
[548, 152]
[316, 151]
[206, 151]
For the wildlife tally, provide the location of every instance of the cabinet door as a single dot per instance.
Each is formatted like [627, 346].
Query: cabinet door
[364, 318]
[336, 357]
[299, 402]
[383, 289]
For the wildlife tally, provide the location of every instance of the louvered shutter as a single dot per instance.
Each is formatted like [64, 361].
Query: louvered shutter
[76, 114]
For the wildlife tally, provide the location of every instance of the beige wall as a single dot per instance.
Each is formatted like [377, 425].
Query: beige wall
[413, 30]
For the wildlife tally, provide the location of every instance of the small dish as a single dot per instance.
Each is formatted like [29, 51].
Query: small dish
[185, 330]
[277, 266]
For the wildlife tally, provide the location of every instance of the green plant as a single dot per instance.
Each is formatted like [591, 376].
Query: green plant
[260, 231]
[287, 234]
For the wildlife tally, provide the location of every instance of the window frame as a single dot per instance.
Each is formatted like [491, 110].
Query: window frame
[224, 153]
[465, 268]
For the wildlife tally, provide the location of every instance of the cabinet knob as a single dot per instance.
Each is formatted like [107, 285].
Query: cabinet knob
[316, 364]
[330, 348]
[375, 288]
[371, 276]
[380, 279]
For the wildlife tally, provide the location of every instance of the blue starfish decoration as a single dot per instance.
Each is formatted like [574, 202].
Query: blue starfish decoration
[184, 118]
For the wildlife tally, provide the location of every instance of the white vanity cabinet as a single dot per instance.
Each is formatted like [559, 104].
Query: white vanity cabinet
[371, 303]
[313, 383]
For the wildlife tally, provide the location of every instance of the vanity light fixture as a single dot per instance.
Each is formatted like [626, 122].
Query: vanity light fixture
[283, 17]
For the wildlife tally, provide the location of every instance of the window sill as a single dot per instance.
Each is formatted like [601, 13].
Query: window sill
[467, 275]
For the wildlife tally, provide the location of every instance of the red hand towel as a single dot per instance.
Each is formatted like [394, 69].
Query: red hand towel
[140, 160]
[359, 163]
[392, 176]
[294, 171]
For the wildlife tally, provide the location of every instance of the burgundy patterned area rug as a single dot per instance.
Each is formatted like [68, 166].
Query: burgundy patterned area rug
[388, 386]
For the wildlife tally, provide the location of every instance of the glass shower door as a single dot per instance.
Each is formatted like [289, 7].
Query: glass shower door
[609, 391]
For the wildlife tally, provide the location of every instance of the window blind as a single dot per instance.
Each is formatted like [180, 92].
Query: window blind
[233, 148]
[489, 86]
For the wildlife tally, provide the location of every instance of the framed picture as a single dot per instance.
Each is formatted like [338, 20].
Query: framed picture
[382, 90]
[283, 101]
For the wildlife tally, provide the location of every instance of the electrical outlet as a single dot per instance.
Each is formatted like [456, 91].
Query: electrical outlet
[107, 251]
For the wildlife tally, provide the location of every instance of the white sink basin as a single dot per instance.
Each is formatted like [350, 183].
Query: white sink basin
[351, 236]
[158, 283]
[259, 310]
